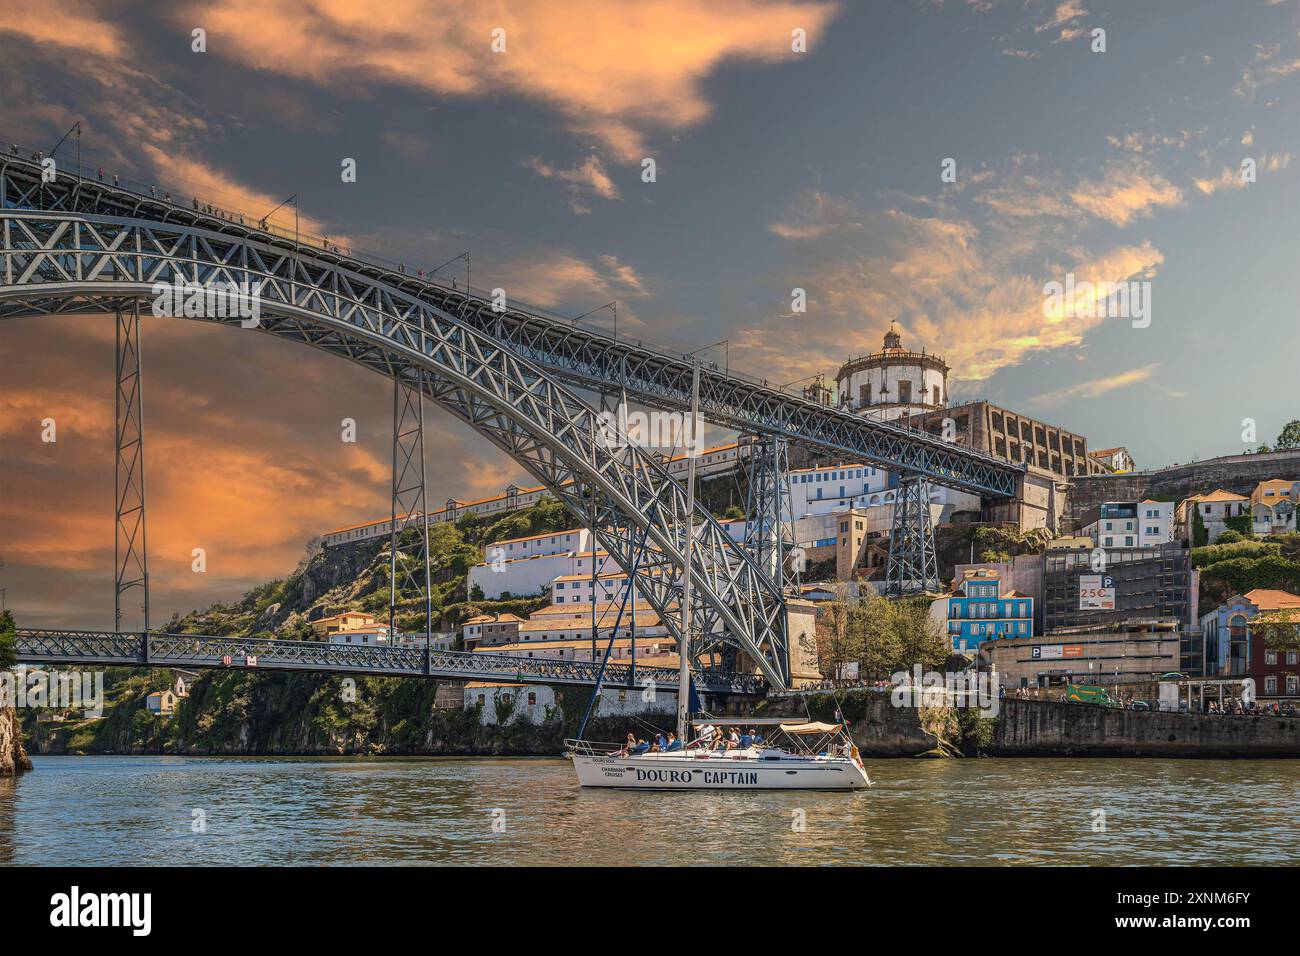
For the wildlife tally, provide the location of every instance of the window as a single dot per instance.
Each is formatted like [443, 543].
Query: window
[532, 698]
[1270, 685]
[1270, 657]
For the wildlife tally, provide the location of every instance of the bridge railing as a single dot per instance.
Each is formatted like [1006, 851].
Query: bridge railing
[197, 650]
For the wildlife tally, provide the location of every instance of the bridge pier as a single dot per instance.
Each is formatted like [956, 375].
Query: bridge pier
[768, 533]
[130, 557]
[409, 569]
[912, 567]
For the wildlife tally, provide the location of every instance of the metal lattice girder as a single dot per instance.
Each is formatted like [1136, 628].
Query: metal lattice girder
[200, 651]
[130, 555]
[585, 356]
[67, 263]
[912, 567]
[767, 506]
[408, 570]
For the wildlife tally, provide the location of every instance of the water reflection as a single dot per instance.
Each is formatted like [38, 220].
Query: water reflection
[108, 810]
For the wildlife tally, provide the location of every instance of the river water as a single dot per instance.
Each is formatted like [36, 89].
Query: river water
[125, 810]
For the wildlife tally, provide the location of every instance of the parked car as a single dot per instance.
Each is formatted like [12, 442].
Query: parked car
[1139, 705]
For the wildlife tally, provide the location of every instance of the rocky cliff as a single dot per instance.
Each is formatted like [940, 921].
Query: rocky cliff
[13, 758]
[240, 713]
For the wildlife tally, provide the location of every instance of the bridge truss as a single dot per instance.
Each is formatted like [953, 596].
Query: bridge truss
[52, 647]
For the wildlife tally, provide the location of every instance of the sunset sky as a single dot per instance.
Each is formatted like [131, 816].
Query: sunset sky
[775, 170]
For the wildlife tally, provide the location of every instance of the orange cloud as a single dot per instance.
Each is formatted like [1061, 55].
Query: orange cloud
[248, 479]
[1098, 386]
[951, 283]
[613, 70]
[74, 26]
[1124, 194]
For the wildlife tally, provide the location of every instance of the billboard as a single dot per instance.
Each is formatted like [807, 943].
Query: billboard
[1096, 592]
[1055, 652]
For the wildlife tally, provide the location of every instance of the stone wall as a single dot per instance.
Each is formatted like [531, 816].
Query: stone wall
[1236, 473]
[1039, 728]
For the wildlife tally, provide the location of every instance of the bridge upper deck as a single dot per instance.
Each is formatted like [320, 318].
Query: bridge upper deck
[578, 353]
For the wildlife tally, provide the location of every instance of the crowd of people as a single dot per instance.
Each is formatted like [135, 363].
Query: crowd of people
[710, 738]
[1252, 708]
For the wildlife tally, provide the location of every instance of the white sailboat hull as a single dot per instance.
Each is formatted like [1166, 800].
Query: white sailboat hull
[683, 772]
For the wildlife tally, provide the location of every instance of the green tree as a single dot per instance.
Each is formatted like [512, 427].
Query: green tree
[1289, 437]
[1281, 631]
[1200, 536]
[8, 639]
[900, 634]
[840, 632]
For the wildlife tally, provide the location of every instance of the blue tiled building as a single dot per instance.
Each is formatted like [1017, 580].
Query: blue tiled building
[979, 610]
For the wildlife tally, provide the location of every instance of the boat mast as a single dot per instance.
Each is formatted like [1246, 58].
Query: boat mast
[684, 645]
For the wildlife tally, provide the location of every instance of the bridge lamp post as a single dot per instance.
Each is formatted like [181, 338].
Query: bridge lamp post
[726, 352]
[463, 255]
[292, 199]
[613, 306]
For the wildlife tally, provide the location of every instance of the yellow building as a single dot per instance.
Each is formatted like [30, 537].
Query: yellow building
[161, 702]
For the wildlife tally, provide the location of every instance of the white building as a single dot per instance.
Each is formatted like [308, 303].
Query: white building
[833, 489]
[535, 575]
[372, 635]
[893, 382]
[1215, 510]
[1129, 524]
[534, 703]
[565, 623]
[710, 462]
[511, 499]
[1115, 459]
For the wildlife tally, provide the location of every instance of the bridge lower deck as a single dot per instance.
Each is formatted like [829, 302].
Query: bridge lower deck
[197, 651]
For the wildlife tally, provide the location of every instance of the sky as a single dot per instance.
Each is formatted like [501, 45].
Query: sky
[1112, 156]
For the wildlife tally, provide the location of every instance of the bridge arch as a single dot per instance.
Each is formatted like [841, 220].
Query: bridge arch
[55, 260]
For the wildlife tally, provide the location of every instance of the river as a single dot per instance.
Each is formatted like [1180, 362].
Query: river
[310, 811]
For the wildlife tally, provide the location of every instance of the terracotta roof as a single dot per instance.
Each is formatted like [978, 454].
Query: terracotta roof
[808, 471]
[1106, 451]
[535, 537]
[1219, 494]
[1267, 599]
[601, 642]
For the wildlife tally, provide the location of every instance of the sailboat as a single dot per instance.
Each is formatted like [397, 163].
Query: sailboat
[789, 755]
[792, 755]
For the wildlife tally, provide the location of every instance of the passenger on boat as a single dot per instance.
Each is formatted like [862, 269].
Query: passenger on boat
[733, 741]
[746, 740]
[628, 746]
[673, 743]
[661, 742]
[640, 748]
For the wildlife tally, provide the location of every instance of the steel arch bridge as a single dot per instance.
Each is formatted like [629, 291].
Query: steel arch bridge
[75, 245]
